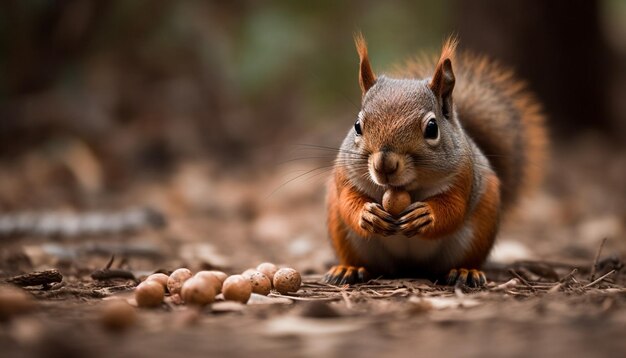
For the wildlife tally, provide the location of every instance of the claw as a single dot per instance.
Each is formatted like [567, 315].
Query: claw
[406, 220]
[345, 275]
[338, 275]
[452, 276]
[412, 207]
[349, 276]
[464, 277]
[363, 275]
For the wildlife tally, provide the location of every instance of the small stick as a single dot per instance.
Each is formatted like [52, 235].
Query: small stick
[505, 286]
[299, 298]
[316, 284]
[594, 267]
[375, 292]
[110, 263]
[521, 279]
[599, 279]
[346, 298]
[555, 288]
[569, 275]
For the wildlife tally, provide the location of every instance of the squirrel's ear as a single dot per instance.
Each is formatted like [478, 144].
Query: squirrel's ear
[366, 76]
[443, 80]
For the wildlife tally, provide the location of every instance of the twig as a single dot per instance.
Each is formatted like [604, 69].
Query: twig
[555, 288]
[346, 298]
[110, 263]
[594, 267]
[522, 279]
[299, 298]
[569, 275]
[507, 285]
[316, 284]
[599, 279]
[37, 278]
[375, 292]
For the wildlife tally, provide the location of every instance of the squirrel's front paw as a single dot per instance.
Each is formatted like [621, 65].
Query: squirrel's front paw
[377, 221]
[415, 219]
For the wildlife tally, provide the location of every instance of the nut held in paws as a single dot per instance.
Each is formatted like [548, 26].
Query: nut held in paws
[395, 201]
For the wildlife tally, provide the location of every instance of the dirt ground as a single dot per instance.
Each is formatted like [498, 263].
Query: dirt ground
[556, 287]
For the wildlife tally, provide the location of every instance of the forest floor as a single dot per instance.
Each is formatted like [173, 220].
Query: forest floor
[556, 286]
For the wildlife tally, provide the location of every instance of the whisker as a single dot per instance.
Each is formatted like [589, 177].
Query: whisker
[298, 177]
[317, 174]
[333, 149]
[305, 158]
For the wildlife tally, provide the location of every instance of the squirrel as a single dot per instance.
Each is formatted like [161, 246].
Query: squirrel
[465, 150]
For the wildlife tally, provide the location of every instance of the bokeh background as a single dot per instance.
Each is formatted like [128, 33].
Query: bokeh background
[210, 111]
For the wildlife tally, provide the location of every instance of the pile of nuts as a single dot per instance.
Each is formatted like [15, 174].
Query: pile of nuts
[203, 287]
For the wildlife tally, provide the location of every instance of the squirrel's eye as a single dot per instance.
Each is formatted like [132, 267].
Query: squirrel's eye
[357, 127]
[432, 130]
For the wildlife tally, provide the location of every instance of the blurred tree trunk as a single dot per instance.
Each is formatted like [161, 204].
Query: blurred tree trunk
[557, 46]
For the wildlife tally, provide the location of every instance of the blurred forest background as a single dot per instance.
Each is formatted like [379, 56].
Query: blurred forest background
[200, 109]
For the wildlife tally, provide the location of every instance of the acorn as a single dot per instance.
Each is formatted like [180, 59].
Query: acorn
[176, 280]
[396, 201]
[260, 283]
[268, 269]
[219, 274]
[198, 291]
[149, 294]
[158, 277]
[287, 280]
[249, 272]
[213, 279]
[237, 288]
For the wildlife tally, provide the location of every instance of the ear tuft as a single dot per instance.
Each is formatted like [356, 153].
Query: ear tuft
[366, 76]
[448, 49]
[443, 79]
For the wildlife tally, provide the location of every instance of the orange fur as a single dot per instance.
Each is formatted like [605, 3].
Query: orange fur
[449, 208]
[345, 204]
[484, 223]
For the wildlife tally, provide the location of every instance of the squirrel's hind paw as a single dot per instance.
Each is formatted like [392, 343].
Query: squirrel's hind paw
[344, 274]
[465, 277]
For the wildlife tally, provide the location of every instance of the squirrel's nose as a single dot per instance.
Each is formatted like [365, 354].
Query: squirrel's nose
[385, 163]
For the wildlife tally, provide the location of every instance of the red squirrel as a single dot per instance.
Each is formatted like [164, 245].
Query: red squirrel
[463, 137]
